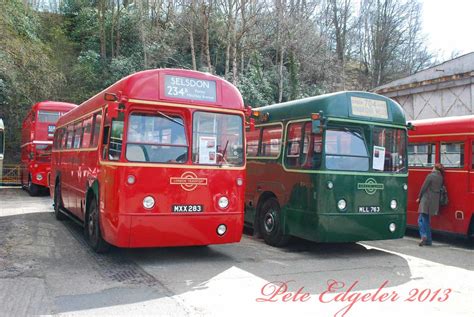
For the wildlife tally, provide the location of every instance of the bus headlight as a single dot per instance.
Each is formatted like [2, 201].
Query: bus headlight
[341, 204]
[392, 227]
[330, 185]
[405, 186]
[148, 202]
[223, 202]
[393, 204]
[221, 229]
[39, 177]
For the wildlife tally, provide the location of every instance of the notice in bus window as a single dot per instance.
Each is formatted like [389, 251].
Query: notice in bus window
[379, 158]
[190, 88]
[207, 150]
[369, 108]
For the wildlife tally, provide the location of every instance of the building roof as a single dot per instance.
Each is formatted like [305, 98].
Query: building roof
[454, 69]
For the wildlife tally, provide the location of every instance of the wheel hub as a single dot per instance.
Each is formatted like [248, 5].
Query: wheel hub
[269, 221]
[91, 225]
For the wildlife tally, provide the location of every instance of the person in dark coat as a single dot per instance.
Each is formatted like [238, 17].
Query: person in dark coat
[429, 202]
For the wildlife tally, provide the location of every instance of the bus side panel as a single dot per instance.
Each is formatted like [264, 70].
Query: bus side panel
[116, 229]
[455, 217]
[449, 218]
[266, 178]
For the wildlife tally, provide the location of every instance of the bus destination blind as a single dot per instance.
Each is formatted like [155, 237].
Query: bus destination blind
[190, 88]
[371, 108]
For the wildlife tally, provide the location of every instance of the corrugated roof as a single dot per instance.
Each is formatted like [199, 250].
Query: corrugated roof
[459, 65]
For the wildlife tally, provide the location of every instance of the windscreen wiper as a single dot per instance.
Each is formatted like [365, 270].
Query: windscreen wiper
[171, 119]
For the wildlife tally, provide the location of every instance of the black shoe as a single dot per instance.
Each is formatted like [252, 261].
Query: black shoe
[422, 242]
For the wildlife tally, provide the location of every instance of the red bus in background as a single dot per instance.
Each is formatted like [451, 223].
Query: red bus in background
[449, 141]
[157, 159]
[37, 133]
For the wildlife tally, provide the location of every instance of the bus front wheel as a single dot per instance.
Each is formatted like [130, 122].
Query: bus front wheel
[271, 224]
[92, 229]
[32, 188]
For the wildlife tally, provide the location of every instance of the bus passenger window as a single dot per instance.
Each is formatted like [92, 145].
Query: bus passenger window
[87, 133]
[271, 141]
[253, 138]
[96, 122]
[77, 135]
[293, 146]
[48, 116]
[312, 148]
[63, 139]
[452, 154]
[472, 155]
[105, 142]
[116, 137]
[421, 155]
[70, 135]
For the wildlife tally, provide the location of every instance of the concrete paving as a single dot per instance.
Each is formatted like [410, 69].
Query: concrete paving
[46, 268]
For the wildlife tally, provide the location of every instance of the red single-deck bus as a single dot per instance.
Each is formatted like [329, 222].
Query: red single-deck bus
[449, 141]
[154, 160]
[37, 138]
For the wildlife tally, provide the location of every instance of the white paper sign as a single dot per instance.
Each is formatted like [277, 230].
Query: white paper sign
[378, 158]
[207, 150]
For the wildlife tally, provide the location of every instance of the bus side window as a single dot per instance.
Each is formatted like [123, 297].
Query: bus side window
[86, 138]
[271, 141]
[311, 157]
[472, 154]
[452, 154]
[421, 155]
[96, 122]
[77, 135]
[253, 137]
[105, 141]
[116, 137]
[63, 139]
[70, 135]
[293, 146]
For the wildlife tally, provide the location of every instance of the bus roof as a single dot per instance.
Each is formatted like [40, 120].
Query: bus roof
[449, 125]
[149, 85]
[337, 104]
[53, 106]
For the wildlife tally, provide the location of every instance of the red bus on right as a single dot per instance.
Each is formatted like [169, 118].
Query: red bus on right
[449, 141]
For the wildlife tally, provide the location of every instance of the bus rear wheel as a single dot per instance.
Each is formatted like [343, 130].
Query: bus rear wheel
[92, 229]
[32, 188]
[58, 203]
[271, 224]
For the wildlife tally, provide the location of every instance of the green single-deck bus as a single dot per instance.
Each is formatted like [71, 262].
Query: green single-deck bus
[331, 168]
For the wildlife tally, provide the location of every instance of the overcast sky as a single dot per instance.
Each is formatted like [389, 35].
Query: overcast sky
[449, 25]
